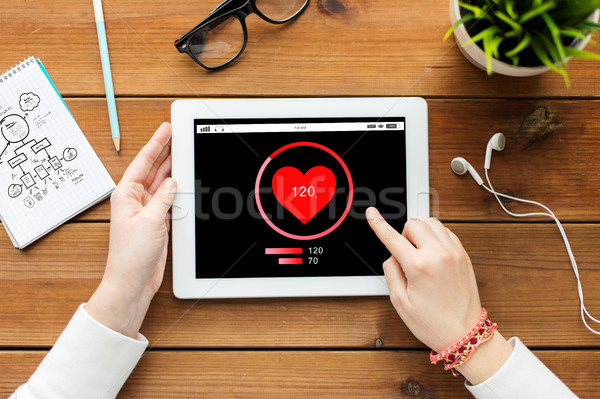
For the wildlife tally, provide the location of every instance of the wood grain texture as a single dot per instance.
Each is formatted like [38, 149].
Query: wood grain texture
[524, 277]
[551, 152]
[304, 374]
[336, 48]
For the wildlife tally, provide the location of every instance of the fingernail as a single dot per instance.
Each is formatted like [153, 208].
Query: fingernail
[169, 184]
[371, 212]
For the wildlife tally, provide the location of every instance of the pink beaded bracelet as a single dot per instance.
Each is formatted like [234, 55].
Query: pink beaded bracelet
[456, 355]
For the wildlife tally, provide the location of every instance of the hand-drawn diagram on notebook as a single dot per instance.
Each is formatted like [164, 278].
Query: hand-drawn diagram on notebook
[36, 165]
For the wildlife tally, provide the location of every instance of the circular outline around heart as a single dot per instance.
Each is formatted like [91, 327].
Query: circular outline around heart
[350, 191]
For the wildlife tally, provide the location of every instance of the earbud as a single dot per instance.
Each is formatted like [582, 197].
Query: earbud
[497, 142]
[460, 166]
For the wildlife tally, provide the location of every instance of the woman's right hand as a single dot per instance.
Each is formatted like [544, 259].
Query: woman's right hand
[433, 288]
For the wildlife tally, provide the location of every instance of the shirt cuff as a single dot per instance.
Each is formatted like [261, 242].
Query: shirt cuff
[89, 360]
[523, 375]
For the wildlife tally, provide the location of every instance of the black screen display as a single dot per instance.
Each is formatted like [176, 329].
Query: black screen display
[313, 189]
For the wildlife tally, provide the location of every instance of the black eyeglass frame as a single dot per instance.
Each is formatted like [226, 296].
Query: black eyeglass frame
[239, 9]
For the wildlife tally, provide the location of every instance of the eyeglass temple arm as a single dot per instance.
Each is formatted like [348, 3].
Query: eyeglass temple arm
[219, 7]
[223, 4]
[189, 32]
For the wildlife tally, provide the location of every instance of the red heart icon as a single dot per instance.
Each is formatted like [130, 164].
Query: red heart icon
[304, 195]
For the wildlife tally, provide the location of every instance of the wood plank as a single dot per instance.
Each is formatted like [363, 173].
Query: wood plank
[550, 156]
[525, 281]
[336, 48]
[312, 374]
[551, 152]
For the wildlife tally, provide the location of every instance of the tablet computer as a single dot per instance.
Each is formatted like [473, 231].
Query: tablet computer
[272, 193]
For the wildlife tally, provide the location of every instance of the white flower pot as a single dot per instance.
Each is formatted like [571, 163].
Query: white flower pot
[475, 54]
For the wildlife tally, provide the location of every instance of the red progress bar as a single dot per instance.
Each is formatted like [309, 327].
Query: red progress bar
[283, 251]
[290, 261]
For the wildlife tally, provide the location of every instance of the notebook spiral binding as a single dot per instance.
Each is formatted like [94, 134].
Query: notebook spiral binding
[16, 69]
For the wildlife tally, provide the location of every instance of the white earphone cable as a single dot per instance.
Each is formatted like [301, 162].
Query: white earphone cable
[564, 237]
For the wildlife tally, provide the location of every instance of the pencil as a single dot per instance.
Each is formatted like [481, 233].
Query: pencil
[108, 83]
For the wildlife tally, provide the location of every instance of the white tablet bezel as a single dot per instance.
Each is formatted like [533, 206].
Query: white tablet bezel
[183, 113]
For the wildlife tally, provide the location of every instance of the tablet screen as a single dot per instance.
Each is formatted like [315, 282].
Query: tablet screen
[287, 197]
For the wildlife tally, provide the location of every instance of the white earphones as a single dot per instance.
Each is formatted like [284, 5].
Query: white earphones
[460, 166]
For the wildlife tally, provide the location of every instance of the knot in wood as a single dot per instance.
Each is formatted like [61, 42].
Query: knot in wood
[536, 125]
[413, 388]
[331, 7]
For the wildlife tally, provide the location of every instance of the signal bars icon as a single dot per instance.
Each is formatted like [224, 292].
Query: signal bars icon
[203, 129]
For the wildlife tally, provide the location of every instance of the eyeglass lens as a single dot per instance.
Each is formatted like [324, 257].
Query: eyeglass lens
[279, 10]
[216, 44]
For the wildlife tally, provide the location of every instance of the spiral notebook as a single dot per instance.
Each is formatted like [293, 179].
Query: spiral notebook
[48, 170]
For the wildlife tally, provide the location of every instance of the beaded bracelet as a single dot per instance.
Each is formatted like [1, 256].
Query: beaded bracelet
[456, 355]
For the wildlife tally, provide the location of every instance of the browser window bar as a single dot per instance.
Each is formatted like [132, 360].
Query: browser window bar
[299, 127]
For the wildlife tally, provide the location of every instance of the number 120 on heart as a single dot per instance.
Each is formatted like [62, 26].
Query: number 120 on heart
[304, 191]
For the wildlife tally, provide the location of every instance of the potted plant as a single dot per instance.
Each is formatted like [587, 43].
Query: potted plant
[524, 37]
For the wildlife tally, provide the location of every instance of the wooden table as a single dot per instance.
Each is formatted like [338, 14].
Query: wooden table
[319, 347]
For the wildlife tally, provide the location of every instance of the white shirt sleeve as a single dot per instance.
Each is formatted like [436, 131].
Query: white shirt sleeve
[522, 376]
[88, 360]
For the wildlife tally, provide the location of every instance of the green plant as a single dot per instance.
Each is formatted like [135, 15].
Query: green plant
[541, 32]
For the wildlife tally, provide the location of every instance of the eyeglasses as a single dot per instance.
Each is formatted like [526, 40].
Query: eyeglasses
[222, 36]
